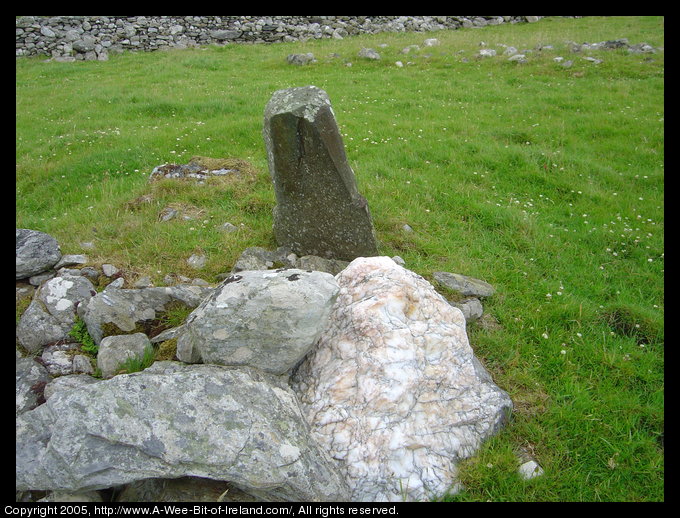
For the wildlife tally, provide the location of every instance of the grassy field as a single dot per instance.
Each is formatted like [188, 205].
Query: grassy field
[545, 181]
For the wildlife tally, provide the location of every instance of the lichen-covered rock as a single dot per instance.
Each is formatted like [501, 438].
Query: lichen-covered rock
[122, 311]
[393, 389]
[174, 420]
[52, 312]
[35, 252]
[264, 319]
[115, 350]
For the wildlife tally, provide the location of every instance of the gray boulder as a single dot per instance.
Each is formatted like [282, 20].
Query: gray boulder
[173, 420]
[31, 378]
[301, 59]
[468, 286]
[52, 313]
[114, 350]
[369, 54]
[36, 252]
[265, 319]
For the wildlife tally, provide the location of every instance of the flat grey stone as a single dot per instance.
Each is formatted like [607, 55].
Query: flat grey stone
[468, 286]
[174, 420]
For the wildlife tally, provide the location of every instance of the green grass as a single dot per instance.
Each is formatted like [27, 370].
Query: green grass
[547, 182]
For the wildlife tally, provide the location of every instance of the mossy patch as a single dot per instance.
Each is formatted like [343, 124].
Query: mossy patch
[167, 350]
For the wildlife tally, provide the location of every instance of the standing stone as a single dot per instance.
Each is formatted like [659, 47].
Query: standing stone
[320, 211]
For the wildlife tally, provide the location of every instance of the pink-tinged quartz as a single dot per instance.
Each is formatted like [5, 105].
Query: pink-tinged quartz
[393, 389]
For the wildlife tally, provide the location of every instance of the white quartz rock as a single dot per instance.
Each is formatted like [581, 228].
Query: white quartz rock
[393, 389]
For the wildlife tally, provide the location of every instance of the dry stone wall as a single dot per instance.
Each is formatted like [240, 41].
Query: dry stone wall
[95, 37]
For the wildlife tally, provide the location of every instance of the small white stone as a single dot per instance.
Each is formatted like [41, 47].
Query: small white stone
[530, 469]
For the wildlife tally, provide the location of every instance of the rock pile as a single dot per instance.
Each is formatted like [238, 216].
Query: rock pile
[302, 386]
[70, 38]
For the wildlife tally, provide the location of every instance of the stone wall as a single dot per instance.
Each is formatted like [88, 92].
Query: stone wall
[95, 37]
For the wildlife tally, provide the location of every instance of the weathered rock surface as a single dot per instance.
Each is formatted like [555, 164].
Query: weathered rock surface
[319, 209]
[36, 252]
[393, 389]
[52, 312]
[122, 310]
[185, 489]
[265, 319]
[115, 350]
[175, 420]
[31, 379]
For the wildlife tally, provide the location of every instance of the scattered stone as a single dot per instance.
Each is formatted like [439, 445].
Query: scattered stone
[486, 53]
[31, 379]
[258, 258]
[197, 261]
[368, 54]
[468, 286]
[530, 469]
[431, 42]
[264, 319]
[393, 389]
[143, 282]
[319, 209]
[472, 308]
[200, 169]
[301, 59]
[518, 58]
[228, 227]
[399, 260]
[167, 214]
[109, 270]
[36, 252]
[58, 359]
[173, 420]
